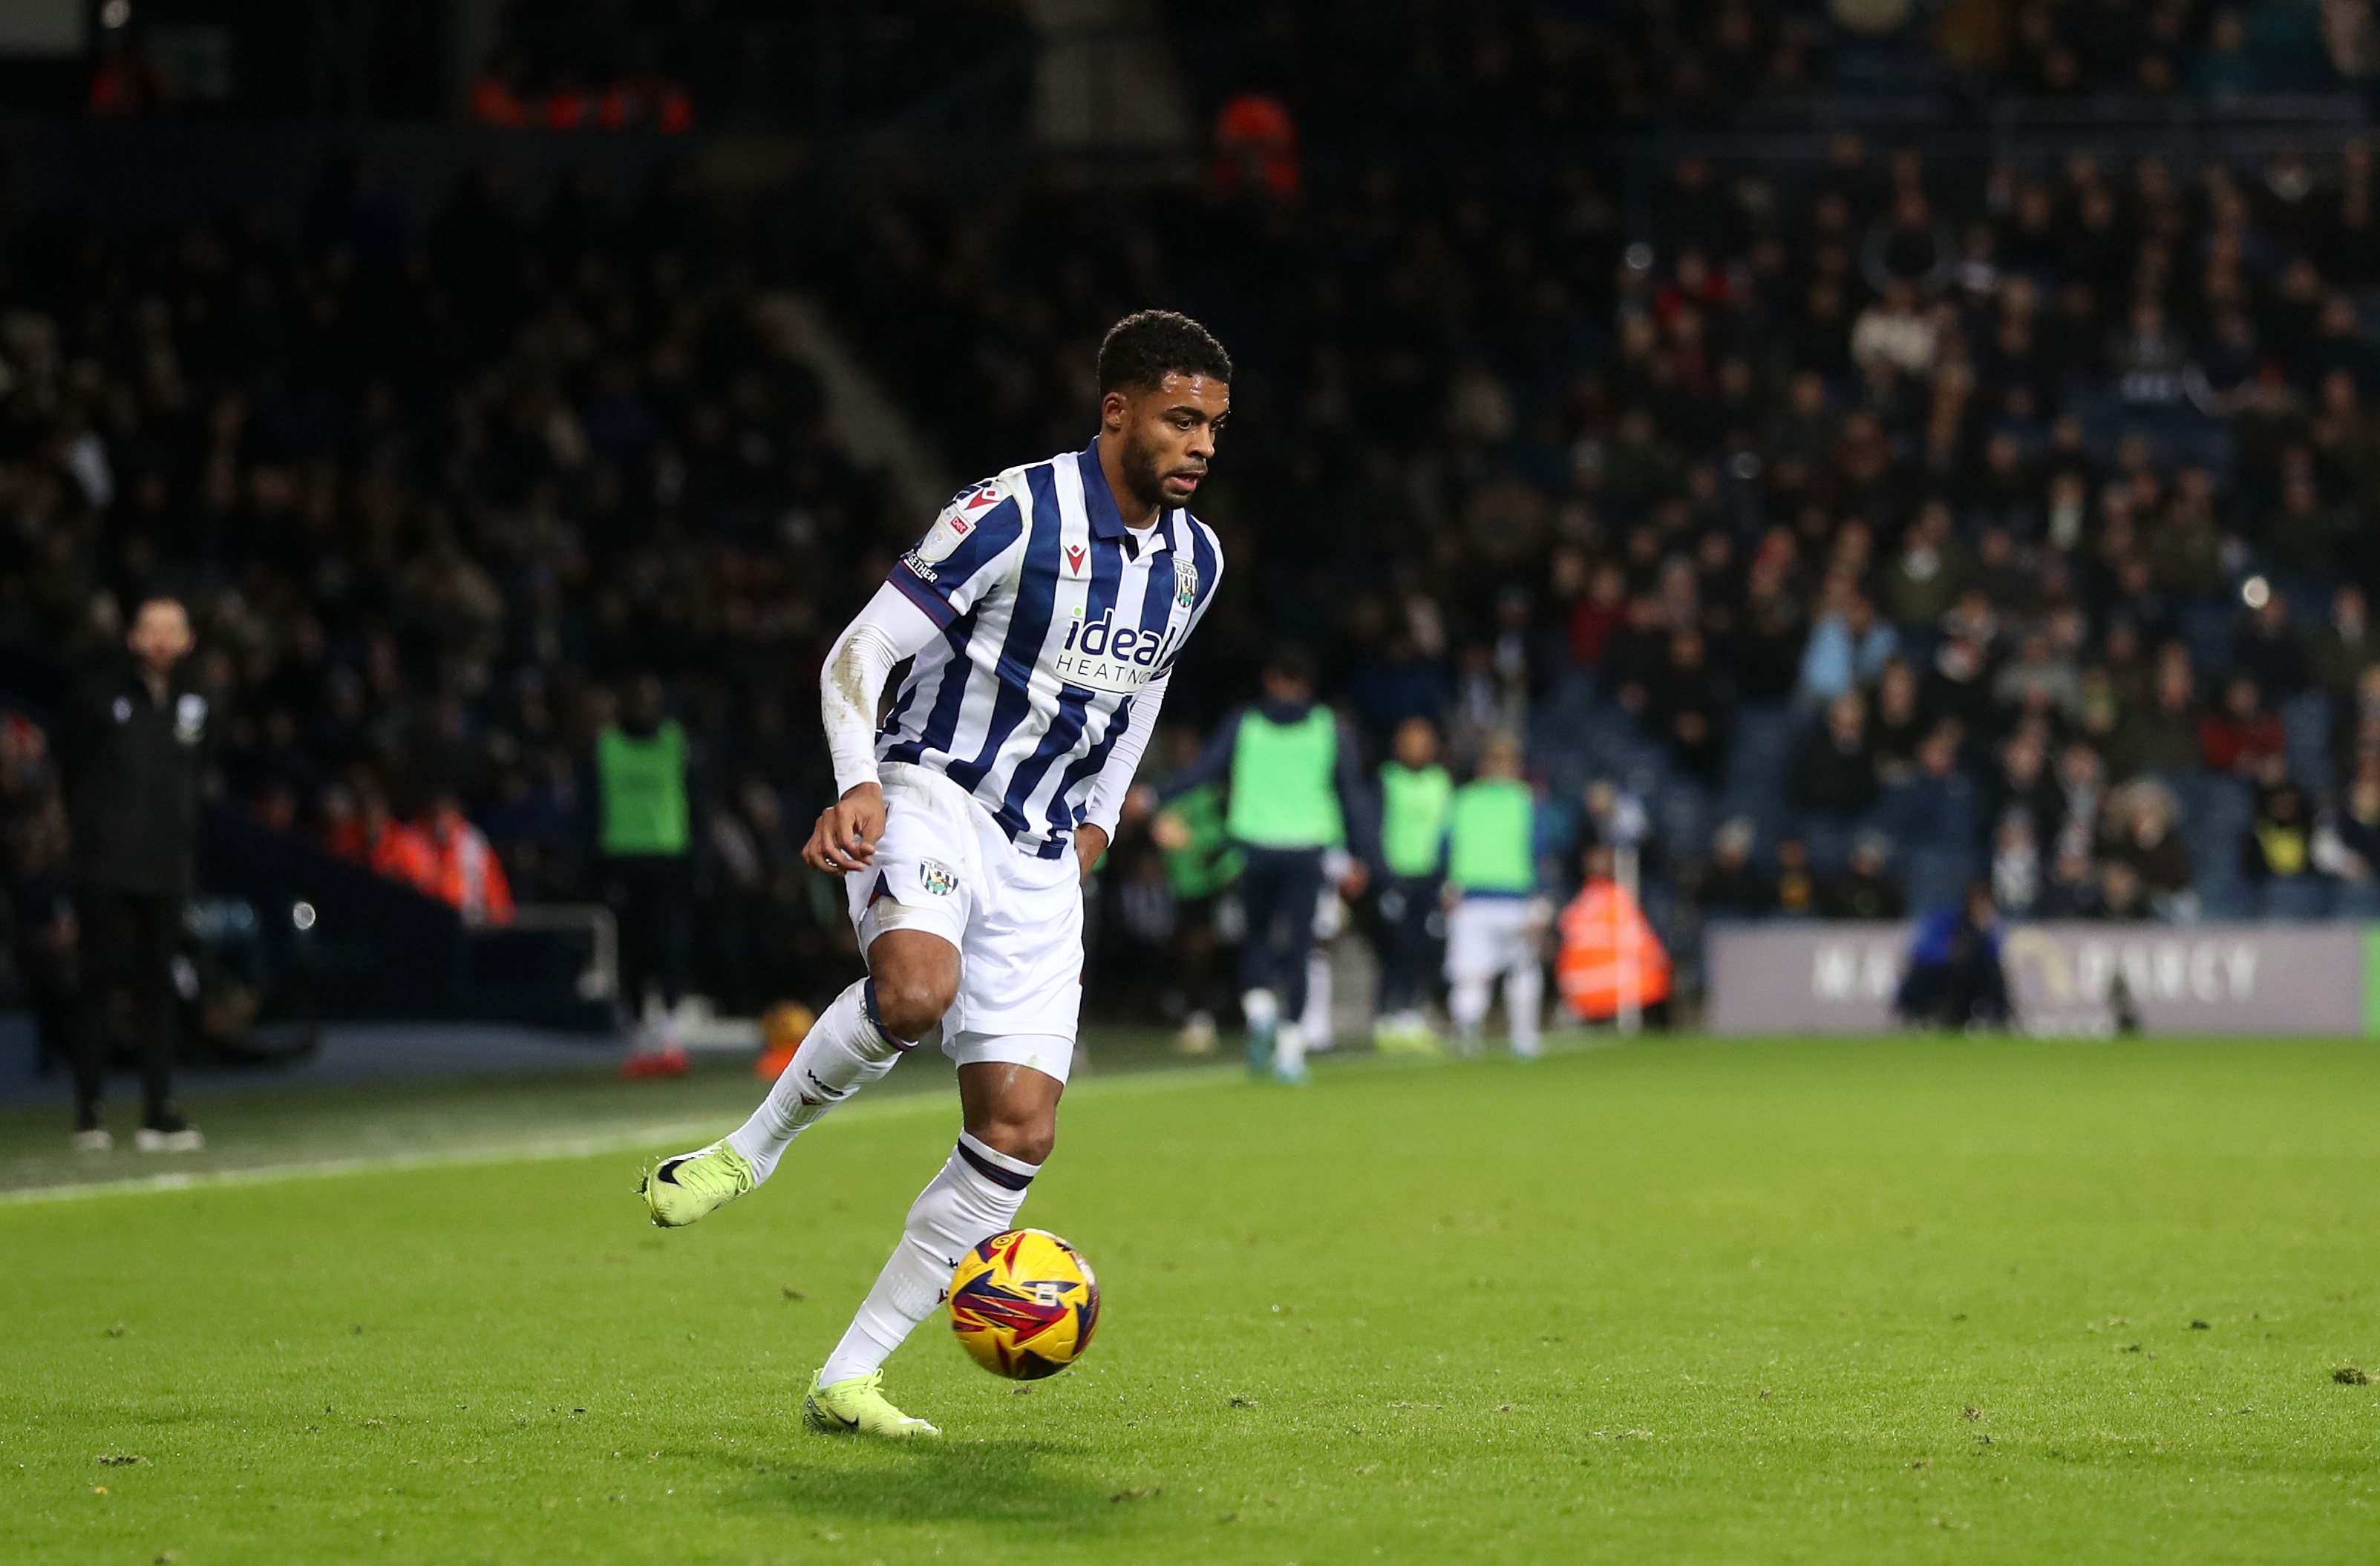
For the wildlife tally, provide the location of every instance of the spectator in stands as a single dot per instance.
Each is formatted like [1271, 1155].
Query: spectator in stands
[2269, 651]
[2164, 737]
[1848, 644]
[2145, 840]
[2343, 647]
[2278, 853]
[1797, 888]
[2024, 786]
[1935, 809]
[1732, 887]
[2241, 735]
[2347, 843]
[1833, 771]
[2122, 894]
[1899, 726]
[45, 939]
[2070, 891]
[1931, 570]
[2017, 878]
[1687, 706]
[2082, 784]
[1864, 888]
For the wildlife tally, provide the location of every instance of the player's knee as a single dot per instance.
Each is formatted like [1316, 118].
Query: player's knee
[909, 1003]
[1030, 1138]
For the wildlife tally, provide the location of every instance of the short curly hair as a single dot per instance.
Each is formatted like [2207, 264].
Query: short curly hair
[1143, 348]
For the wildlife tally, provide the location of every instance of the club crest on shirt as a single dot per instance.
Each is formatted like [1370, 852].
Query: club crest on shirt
[938, 878]
[1185, 580]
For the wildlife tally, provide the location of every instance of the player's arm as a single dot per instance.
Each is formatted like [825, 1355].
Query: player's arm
[973, 551]
[850, 686]
[1109, 794]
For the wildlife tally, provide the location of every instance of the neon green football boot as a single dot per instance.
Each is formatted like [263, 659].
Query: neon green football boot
[859, 1407]
[679, 1190]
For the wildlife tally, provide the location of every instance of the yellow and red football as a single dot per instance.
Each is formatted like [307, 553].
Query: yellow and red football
[1024, 1305]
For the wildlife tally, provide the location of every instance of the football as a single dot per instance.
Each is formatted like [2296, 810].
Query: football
[1024, 1305]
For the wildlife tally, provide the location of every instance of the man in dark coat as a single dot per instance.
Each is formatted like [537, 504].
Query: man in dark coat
[135, 739]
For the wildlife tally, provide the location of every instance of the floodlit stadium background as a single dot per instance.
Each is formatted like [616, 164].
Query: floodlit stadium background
[1879, 445]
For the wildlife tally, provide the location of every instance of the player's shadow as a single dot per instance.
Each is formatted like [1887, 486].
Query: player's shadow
[1008, 1480]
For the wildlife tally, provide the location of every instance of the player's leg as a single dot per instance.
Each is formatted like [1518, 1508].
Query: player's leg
[1330, 927]
[910, 912]
[1523, 983]
[1011, 1119]
[1013, 1036]
[913, 975]
[1470, 967]
[158, 924]
[1261, 899]
[1300, 888]
[860, 1037]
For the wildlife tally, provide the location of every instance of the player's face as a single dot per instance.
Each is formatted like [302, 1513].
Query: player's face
[1169, 435]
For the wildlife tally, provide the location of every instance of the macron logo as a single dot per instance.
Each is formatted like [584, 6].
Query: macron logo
[1074, 558]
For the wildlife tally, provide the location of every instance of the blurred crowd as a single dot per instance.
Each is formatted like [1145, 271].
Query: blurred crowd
[1879, 524]
[438, 499]
[1867, 523]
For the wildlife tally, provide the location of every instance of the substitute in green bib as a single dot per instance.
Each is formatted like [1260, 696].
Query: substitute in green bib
[644, 837]
[1416, 796]
[1497, 925]
[1296, 793]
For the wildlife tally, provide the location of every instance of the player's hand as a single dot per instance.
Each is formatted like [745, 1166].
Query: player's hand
[1090, 847]
[845, 838]
[1169, 832]
[1351, 884]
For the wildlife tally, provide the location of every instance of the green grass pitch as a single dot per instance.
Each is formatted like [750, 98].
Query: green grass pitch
[1682, 1301]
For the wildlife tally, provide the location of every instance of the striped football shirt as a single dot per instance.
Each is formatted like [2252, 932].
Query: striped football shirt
[1054, 616]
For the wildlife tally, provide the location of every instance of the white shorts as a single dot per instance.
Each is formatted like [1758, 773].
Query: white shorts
[944, 867]
[1486, 937]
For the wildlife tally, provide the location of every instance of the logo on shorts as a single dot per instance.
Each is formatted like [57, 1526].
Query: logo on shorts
[939, 878]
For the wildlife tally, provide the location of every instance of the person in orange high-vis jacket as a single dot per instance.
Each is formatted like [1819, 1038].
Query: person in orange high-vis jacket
[469, 876]
[1604, 939]
[395, 849]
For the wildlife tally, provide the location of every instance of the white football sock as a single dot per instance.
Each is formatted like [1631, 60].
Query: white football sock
[1524, 989]
[1316, 1020]
[1261, 1008]
[974, 1197]
[845, 1050]
[1289, 1050]
[1466, 1002]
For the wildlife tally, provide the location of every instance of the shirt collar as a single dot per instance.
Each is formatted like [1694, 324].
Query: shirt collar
[1099, 504]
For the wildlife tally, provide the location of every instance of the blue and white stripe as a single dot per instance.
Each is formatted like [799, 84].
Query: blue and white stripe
[1055, 617]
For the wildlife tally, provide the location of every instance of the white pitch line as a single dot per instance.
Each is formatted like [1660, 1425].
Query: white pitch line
[624, 1140]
